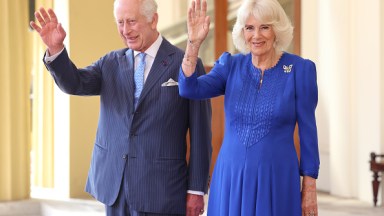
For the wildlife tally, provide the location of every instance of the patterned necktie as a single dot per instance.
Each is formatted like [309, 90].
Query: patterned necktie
[139, 77]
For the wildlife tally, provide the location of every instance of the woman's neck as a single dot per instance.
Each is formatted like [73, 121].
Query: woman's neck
[266, 61]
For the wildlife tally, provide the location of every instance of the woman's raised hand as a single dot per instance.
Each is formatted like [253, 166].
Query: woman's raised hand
[50, 31]
[198, 22]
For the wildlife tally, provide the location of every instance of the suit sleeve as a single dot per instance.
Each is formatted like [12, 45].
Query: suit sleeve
[72, 80]
[306, 102]
[200, 114]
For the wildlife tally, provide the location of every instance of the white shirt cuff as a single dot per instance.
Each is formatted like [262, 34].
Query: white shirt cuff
[48, 59]
[195, 192]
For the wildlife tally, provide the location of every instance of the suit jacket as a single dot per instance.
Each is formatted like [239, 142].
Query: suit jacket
[150, 139]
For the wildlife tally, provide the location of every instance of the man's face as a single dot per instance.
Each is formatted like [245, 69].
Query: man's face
[136, 31]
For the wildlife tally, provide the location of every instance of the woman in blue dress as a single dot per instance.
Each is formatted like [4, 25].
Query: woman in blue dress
[267, 91]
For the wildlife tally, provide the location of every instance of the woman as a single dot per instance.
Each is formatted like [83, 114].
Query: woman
[267, 91]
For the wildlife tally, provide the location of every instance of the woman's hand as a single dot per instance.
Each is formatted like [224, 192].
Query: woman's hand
[197, 22]
[198, 28]
[50, 31]
[309, 197]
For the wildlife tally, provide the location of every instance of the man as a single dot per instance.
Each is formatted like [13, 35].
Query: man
[139, 162]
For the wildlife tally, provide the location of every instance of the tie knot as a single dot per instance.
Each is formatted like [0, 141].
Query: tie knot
[141, 56]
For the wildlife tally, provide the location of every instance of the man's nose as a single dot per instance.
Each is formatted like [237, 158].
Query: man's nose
[126, 28]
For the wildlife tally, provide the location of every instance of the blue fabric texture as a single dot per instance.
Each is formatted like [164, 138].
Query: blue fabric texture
[139, 77]
[257, 171]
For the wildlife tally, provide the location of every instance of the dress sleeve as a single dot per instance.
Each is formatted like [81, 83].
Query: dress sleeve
[306, 102]
[209, 85]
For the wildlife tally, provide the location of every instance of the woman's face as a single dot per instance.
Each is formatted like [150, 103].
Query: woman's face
[259, 37]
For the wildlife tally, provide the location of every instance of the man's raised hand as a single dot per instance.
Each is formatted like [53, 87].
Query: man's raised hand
[50, 30]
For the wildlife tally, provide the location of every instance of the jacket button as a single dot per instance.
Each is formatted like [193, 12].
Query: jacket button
[125, 157]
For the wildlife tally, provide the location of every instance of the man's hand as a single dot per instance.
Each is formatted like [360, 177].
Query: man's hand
[50, 31]
[195, 205]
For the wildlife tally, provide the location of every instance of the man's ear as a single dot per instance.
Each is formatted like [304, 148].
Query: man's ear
[155, 20]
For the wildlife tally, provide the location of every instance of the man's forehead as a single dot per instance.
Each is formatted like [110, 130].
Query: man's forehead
[124, 10]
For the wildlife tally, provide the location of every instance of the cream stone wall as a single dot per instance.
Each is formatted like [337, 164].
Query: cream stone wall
[348, 55]
[171, 11]
[15, 68]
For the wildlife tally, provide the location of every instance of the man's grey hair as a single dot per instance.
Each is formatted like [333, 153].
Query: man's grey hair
[148, 8]
[268, 12]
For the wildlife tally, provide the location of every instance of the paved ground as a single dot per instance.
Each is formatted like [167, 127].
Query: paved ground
[328, 206]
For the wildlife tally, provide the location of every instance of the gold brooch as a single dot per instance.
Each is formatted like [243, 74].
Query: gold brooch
[287, 69]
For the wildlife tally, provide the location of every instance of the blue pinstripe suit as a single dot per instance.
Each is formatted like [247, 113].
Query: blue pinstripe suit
[150, 139]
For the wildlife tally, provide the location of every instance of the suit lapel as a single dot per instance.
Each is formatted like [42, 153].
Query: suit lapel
[162, 62]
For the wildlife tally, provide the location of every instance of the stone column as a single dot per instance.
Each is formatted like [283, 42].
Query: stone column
[14, 100]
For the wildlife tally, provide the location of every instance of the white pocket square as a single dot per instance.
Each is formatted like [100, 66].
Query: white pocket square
[170, 82]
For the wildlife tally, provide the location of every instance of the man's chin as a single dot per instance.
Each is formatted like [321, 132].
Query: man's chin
[133, 46]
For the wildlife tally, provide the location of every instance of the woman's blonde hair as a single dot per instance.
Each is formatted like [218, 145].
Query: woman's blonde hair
[268, 12]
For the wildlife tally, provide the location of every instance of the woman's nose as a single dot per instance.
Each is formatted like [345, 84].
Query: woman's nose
[256, 33]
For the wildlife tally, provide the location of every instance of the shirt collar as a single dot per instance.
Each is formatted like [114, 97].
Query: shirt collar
[152, 50]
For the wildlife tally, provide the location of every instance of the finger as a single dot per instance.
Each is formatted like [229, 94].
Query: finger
[189, 212]
[44, 13]
[198, 7]
[207, 22]
[204, 8]
[193, 9]
[35, 26]
[40, 19]
[190, 12]
[310, 213]
[52, 15]
[60, 29]
[196, 212]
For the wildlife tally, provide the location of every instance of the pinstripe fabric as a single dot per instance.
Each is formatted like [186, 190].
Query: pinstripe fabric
[150, 139]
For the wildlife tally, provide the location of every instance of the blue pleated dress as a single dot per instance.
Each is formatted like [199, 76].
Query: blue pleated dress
[257, 171]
